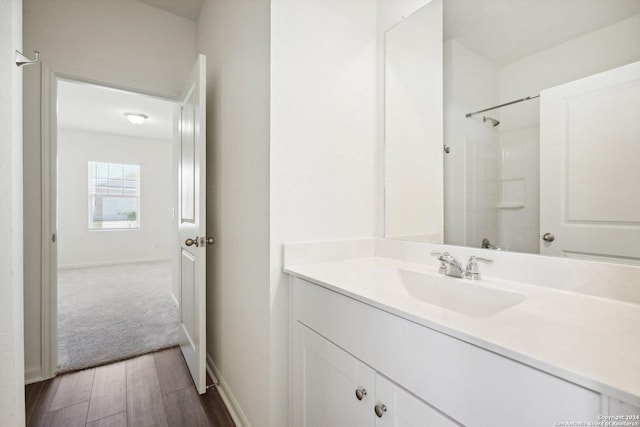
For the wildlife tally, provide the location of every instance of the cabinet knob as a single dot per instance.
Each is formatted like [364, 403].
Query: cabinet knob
[380, 409]
[360, 393]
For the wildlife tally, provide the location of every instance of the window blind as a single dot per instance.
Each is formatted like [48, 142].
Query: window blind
[114, 196]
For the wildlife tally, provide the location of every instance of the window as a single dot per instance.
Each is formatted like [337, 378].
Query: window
[114, 196]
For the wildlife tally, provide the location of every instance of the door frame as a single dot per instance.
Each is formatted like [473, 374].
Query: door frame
[50, 75]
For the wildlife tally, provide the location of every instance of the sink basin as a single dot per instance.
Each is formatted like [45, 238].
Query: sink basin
[458, 295]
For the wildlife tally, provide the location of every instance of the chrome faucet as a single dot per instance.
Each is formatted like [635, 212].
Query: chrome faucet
[473, 272]
[486, 244]
[449, 265]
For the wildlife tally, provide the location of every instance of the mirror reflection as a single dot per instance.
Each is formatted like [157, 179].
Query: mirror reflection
[552, 174]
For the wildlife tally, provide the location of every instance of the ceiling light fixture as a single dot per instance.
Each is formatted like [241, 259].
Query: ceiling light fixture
[136, 118]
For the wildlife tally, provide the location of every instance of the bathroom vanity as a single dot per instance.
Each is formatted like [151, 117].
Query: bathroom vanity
[378, 339]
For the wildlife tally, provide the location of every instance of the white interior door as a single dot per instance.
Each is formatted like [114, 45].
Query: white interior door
[192, 239]
[589, 175]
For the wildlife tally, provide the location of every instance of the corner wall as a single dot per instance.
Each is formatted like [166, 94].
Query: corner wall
[235, 37]
[11, 297]
[323, 146]
[389, 13]
[413, 126]
[313, 68]
[151, 51]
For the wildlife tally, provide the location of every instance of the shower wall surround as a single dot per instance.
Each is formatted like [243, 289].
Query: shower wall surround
[471, 167]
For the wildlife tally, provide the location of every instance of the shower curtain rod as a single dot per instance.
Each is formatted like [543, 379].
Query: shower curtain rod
[503, 105]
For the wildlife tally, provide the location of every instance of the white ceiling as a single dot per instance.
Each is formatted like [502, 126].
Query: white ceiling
[96, 108]
[504, 31]
[186, 8]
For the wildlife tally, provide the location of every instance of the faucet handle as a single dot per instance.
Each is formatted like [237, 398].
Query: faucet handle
[443, 268]
[473, 272]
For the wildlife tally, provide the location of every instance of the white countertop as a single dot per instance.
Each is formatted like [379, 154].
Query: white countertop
[589, 340]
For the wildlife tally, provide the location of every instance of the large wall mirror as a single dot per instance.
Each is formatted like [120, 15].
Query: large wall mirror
[553, 172]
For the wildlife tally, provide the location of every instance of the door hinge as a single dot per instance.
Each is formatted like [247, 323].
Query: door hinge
[53, 238]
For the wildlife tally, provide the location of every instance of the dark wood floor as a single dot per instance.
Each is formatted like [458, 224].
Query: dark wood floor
[150, 390]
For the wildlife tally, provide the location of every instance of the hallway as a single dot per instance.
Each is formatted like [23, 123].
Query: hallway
[150, 390]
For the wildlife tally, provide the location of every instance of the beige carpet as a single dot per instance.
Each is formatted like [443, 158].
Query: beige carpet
[114, 312]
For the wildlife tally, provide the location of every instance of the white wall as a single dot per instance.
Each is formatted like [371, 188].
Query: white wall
[323, 147]
[413, 122]
[77, 245]
[592, 53]
[313, 179]
[388, 14]
[235, 37]
[471, 168]
[11, 296]
[151, 50]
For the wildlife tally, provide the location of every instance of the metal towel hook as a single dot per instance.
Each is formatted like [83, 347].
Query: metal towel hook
[23, 60]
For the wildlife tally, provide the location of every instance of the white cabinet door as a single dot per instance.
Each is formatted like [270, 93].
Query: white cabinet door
[326, 384]
[396, 407]
[590, 150]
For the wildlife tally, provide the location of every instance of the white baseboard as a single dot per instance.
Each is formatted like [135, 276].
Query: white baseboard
[33, 374]
[227, 396]
[175, 300]
[107, 263]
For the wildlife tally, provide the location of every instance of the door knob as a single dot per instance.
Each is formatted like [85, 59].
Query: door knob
[380, 409]
[200, 241]
[548, 237]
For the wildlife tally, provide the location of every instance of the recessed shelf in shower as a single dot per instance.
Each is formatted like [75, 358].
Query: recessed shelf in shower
[512, 194]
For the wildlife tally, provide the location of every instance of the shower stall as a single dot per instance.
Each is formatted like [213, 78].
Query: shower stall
[491, 170]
